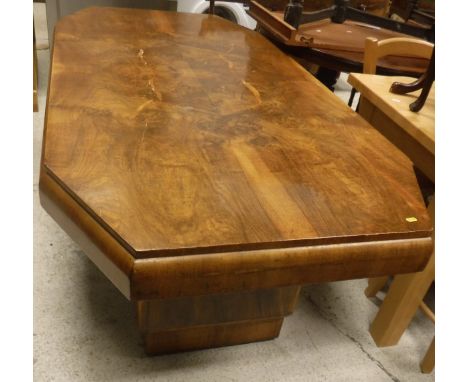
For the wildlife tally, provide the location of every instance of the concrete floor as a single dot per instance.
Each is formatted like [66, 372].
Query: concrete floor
[85, 330]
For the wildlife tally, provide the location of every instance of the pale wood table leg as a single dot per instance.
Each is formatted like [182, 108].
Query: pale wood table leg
[374, 285]
[402, 301]
[427, 364]
[190, 323]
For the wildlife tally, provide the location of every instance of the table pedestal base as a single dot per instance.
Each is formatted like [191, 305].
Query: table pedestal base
[328, 77]
[191, 323]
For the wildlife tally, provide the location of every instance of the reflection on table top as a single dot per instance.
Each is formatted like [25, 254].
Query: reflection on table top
[186, 134]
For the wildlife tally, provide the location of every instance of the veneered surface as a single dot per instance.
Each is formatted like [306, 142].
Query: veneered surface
[188, 134]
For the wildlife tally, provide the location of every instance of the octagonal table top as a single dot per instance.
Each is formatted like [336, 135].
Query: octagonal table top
[186, 134]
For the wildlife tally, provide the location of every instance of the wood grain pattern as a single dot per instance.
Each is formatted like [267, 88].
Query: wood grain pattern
[104, 251]
[187, 323]
[419, 155]
[176, 313]
[199, 167]
[190, 275]
[419, 125]
[178, 276]
[203, 337]
[124, 148]
[413, 133]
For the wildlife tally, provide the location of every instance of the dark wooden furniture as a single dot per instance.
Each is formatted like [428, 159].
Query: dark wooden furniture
[342, 11]
[372, 6]
[424, 82]
[419, 12]
[209, 176]
[334, 39]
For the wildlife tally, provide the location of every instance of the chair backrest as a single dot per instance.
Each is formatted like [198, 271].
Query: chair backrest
[397, 46]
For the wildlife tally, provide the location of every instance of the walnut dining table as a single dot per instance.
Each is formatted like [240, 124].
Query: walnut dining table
[183, 154]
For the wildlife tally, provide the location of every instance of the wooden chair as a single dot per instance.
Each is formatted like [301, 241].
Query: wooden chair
[398, 46]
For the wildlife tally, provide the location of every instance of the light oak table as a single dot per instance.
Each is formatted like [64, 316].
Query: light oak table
[209, 176]
[414, 134]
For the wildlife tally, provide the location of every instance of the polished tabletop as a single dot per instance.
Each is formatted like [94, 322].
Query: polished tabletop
[187, 134]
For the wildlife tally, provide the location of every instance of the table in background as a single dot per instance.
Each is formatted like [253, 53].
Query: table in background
[334, 47]
[413, 133]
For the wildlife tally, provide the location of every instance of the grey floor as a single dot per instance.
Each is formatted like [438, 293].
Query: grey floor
[84, 330]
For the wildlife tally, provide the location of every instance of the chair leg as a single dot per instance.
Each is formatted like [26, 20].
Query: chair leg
[402, 301]
[328, 77]
[400, 305]
[374, 285]
[428, 362]
[351, 97]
